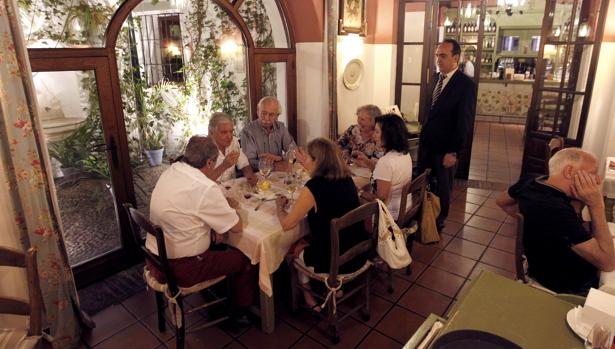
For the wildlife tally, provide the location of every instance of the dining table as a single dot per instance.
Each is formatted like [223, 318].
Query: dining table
[607, 279]
[263, 240]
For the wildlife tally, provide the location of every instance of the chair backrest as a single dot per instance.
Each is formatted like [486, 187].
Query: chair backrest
[555, 144]
[34, 307]
[368, 212]
[138, 223]
[416, 188]
[519, 252]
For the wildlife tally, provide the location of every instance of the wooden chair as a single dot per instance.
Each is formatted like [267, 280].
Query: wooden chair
[170, 290]
[409, 214]
[333, 280]
[34, 307]
[556, 144]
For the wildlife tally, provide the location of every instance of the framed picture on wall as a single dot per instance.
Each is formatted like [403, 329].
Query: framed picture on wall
[352, 17]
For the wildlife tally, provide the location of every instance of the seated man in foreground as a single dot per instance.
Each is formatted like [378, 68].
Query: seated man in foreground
[230, 154]
[266, 137]
[561, 254]
[189, 206]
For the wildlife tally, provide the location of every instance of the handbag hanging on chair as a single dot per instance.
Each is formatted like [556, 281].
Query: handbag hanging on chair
[428, 231]
[391, 241]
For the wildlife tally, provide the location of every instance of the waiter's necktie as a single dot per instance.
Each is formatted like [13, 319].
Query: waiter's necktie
[437, 91]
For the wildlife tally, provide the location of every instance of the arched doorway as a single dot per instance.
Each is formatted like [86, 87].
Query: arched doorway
[85, 69]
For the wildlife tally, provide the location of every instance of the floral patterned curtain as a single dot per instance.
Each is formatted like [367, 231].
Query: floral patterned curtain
[27, 171]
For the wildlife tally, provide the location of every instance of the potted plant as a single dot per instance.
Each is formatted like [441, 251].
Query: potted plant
[155, 121]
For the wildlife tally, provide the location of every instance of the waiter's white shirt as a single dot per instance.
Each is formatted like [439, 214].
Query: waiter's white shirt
[187, 205]
[242, 162]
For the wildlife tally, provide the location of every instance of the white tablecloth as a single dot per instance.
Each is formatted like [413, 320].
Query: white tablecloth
[608, 184]
[262, 239]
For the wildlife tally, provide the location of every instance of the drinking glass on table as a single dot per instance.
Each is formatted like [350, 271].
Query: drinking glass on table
[599, 337]
[265, 167]
[291, 183]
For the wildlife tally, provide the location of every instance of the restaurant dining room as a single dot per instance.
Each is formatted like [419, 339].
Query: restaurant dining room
[307, 174]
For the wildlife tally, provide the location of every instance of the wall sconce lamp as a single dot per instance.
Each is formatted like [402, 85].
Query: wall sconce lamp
[173, 50]
[583, 30]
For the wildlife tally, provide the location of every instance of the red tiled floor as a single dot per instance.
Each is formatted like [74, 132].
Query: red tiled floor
[492, 213]
[465, 248]
[508, 230]
[480, 236]
[108, 322]
[400, 324]
[424, 301]
[459, 217]
[441, 281]
[352, 333]
[452, 228]
[135, 336]
[416, 269]
[307, 343]
[212, 337]
[484, 223]
[500, 259]
[376, 339]
[503, 243]
[283, 337]
[454, 263]
[425, 253]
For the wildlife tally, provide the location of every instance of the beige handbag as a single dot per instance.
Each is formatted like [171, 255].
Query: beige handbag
[428, 232]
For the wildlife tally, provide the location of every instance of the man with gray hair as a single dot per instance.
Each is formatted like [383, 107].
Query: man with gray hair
[266, 137]
[230, 155]
[190, 207]
[561, 254]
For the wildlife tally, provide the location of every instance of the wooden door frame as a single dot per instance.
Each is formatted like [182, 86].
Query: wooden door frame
[57, 60]
[262, 56]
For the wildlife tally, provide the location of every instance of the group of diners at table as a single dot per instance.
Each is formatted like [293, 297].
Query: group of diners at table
[190, 206]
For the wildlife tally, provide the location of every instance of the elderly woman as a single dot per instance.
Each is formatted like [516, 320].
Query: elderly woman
[330, 193]
[394, 169]
[359, 137]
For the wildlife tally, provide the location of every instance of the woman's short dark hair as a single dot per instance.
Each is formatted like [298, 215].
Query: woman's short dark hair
[393, 131]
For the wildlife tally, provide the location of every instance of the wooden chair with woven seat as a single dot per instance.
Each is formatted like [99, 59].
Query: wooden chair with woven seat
[169, 291]
[333, 281]
[29, 337]
[408, 216]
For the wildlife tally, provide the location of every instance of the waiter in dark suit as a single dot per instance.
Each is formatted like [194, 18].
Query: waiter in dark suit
[447, 124]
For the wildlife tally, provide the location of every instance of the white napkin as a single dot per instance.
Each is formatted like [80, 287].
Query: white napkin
[599, 308]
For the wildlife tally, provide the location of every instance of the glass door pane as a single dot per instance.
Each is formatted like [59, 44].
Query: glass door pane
[273, 83]
[70, 114]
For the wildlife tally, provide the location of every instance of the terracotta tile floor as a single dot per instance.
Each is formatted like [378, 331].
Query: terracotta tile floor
[439, 273]
[497, 150]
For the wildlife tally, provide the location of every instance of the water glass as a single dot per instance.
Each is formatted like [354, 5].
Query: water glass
[599, 337]
[264, 167]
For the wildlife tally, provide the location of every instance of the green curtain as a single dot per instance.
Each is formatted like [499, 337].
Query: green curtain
[26, 166]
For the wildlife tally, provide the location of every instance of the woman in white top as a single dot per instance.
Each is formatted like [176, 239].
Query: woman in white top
[394, 169]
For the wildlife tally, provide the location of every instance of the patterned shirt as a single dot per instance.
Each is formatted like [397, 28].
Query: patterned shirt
[256, 140]
[352, 140]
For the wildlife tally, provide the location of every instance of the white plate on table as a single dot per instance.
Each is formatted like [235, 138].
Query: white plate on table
[573, 318]
[360, 171]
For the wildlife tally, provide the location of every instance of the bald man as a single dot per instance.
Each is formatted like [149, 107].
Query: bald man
[561, 254]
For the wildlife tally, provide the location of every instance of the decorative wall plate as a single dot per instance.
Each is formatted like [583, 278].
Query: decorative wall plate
[353, 74]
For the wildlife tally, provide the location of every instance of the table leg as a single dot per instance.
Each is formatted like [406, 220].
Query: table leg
[267, 311]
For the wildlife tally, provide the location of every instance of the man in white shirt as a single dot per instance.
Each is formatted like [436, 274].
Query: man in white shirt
[189, 206]
[230, 155]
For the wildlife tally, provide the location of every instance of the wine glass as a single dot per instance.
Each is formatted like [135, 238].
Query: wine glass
[291, 186]
[264, 167]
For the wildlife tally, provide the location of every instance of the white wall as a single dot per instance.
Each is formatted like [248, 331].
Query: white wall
[600, 128]
[378, 83]
[312, 97]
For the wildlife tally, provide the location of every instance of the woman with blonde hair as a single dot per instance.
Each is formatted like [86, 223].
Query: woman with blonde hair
[330, 193]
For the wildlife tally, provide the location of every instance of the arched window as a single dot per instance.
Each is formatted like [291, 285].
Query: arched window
[114, 78]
